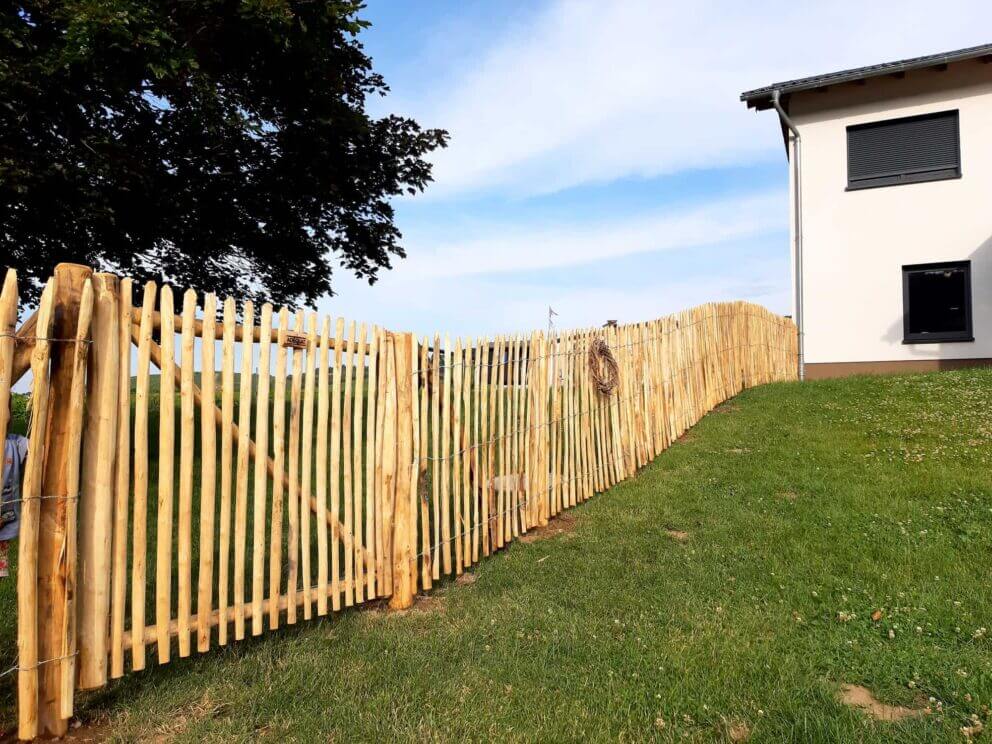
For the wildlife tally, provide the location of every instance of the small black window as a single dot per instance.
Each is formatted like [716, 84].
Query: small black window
[910, 150]
[936, 301]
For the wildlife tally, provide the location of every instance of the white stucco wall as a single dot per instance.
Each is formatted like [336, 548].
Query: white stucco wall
[856, 242]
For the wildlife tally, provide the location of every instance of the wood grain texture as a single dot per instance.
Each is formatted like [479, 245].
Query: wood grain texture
[208, 472]
[166, 474]
[122, 482]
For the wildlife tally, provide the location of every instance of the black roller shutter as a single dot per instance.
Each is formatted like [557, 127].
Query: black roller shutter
[910, 150]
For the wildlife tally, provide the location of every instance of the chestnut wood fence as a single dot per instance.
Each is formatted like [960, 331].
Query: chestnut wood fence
[250, 468]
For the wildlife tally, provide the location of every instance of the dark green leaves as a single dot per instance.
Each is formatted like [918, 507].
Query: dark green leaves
[216, 144]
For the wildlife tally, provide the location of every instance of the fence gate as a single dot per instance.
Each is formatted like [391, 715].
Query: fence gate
[296, 465]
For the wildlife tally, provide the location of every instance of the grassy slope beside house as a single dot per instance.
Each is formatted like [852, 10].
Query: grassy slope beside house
[808, 508]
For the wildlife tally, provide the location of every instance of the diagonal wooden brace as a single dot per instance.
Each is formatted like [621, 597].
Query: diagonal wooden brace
[24, 345]
[337, 528]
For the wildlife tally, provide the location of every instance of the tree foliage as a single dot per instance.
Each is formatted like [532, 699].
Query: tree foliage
[217, 144]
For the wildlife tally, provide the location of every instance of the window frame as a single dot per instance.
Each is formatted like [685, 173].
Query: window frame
[898, 178]
[964, 336]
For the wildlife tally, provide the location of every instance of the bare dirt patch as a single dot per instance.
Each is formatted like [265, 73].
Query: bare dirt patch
[97, 730]
[862, 698]
[738, 731]
[423, 604]
[564, 523]
[426, 604]
[789, 496]
[467, 578]
[677, 535]
[727, 408]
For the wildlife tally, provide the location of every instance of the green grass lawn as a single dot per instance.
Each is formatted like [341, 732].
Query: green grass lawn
[807, 510]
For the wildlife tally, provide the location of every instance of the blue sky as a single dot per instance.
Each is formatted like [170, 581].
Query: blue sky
[601, 162]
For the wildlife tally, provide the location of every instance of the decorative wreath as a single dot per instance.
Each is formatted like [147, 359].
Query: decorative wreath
[603, 367]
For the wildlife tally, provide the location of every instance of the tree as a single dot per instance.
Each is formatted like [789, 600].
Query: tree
[216, 144]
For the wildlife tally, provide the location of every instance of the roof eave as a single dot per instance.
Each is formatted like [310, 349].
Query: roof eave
[760, 98]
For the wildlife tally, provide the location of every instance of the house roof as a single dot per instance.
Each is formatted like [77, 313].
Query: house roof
[761, 98]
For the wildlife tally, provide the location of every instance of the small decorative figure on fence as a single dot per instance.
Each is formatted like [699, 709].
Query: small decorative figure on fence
[603, 367]
[15, 452]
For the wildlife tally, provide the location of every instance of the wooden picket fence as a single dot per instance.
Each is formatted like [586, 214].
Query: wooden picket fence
[301, 465]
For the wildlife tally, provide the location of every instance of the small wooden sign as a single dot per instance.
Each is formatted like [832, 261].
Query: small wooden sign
[294, 341]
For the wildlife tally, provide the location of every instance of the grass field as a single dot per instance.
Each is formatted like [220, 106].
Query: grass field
[799, 538]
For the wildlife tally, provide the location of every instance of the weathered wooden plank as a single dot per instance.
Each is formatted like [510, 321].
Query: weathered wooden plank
[335, 465]
[347, 490]
[27, 563]
[139, 538]
[241, 477]
[323, 465]
[96, 505]
[166, 456]
[67, 648]
[208, 472]
[226, 462]
[122, 482]
[279, 458]
[261, 484]
[187, 444]
[295, 418]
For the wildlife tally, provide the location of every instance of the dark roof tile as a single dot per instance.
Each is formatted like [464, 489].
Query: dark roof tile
[761, 97]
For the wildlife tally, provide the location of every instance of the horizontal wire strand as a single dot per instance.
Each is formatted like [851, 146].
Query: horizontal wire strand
[26, 339]
[40, 663]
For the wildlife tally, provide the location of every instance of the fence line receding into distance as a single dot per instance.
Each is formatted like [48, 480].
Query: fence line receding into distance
[242, 473]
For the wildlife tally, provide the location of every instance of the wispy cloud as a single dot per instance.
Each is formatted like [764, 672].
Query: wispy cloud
[495, 249]
[588, 91]
[499, 278]
[480, 305]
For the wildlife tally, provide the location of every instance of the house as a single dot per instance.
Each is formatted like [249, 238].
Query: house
[891, 213]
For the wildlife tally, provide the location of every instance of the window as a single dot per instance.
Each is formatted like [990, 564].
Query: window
[910, 150]
[936, 301]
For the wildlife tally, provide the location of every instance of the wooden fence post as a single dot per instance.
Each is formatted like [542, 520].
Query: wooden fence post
[54, 581]
[98, 479]
[404, 527]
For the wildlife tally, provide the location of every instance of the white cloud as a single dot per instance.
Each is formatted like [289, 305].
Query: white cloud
[504, 280]
[541, 247]
[589, 91]
[475, 305]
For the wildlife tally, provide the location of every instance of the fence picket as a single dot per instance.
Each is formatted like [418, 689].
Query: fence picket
[320, 452]
[139, 539]
[186, 447]
[208, 473]
[435, 388]
[66, 649]
[27, 560]
[443, 456]
[241, 476]
[226, 463]
[335, 467]
[347, 491]
[264, 378]
[307, 464]
[456, 454]
[293, 550]
[370, 466]
[278, 485]
[358, 470]
[166, 454]
[424, 371]
[122, 482]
